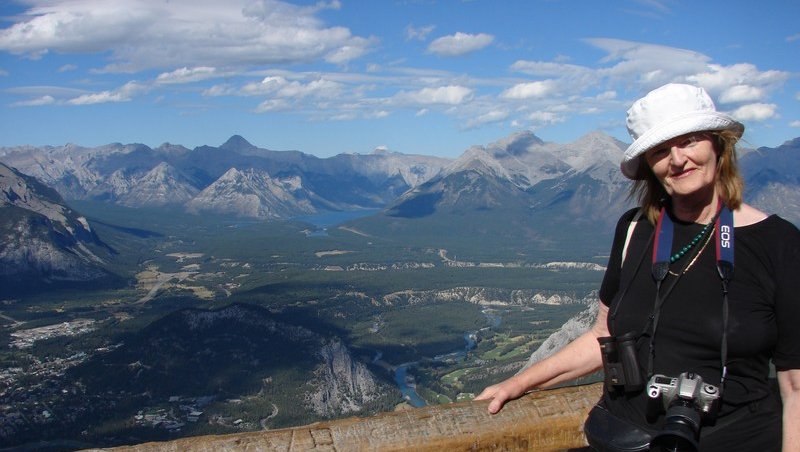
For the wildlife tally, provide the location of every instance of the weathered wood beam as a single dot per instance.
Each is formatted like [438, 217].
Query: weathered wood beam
[550, 420]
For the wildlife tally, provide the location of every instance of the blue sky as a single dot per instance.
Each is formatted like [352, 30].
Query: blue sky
[413, 76]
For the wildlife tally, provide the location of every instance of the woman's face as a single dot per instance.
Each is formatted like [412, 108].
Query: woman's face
[685, 165]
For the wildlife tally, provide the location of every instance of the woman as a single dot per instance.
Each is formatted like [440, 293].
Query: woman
[696, 318]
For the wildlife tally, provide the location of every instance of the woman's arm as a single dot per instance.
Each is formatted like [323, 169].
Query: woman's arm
[789, 382]
[580, 357]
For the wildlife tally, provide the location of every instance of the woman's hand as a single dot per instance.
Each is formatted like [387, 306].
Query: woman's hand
[501, 393]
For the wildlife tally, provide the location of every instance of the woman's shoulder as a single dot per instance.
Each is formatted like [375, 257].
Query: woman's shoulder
[772, 228]
[634, 214]
[747, 215]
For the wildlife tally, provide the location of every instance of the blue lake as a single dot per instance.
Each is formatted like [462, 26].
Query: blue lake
[326, 220]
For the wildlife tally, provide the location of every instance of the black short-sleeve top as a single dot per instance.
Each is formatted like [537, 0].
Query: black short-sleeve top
[764, 301]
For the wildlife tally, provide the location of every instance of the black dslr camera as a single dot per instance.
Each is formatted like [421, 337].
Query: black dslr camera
[620, 365]
[688, 402]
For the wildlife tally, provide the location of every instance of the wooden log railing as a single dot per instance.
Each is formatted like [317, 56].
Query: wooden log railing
[548, 420]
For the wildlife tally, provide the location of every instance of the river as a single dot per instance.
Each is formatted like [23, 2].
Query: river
[405, 382]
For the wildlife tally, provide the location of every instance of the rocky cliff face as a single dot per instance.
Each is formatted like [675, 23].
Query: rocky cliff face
[42, 237]
[342, 385]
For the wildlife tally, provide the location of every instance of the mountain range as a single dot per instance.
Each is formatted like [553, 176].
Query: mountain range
[235, 178]
[517, 189]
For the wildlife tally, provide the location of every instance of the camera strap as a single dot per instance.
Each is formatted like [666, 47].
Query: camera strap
[662, 249]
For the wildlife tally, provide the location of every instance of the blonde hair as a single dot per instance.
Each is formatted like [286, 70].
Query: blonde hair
[651, 195]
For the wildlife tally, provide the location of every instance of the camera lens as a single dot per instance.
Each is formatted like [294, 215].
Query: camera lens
[680, 432]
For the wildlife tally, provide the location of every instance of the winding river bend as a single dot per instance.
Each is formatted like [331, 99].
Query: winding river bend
[405, 382]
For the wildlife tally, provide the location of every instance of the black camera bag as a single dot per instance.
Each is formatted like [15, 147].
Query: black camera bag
[606, 432]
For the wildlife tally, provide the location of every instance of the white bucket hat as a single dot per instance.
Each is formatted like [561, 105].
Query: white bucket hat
[668, 112]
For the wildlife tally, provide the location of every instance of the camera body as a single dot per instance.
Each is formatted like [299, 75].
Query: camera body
[620, 364]
[688, 403]
[687, 389]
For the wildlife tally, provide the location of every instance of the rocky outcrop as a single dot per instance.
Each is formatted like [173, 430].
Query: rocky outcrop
[342, 385]
[573, 328]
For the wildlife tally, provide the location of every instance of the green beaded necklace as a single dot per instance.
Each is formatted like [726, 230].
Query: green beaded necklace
[692, 244]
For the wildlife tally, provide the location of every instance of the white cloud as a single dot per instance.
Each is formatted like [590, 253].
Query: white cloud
[142, 34]
[125, 93]
[38, 102]
[649, 65]
[279, 86]
[273, 105]
[3, 73]
[607, 95]
[794, 124]
[531, 90]
[186, 75]
[220, 90]
[741, 93]
[488, 118]
[642, 67]
[460, 44]
[346, 53]
[793, 38]
[379, 114]
[718, 79]
[99, 98]
[419, 33]
[316, 88]
[67, 68]
[547, 69]
[755, 112]
[544, 117]
[268, 85]
[444, 95]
